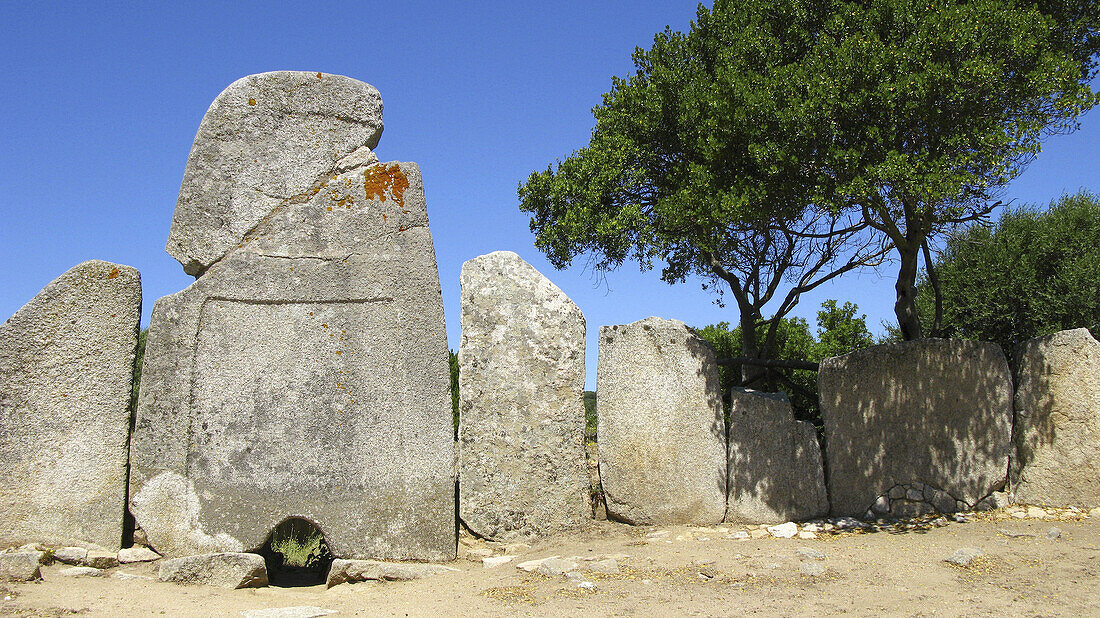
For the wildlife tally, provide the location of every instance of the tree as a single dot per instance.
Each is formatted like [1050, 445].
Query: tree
[1031, 274]
[795, 120]
[931, 107]
[839, 331]
[698, 159]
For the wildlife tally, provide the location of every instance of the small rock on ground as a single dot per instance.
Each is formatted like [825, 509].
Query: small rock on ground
[137, 553]
[811, 569]
[964, 556]
[784, 531]
[70, 555]
[82, 571]
[495, 561]
[811, 553]
[1054, 533]
[20, 567]
[101, 559]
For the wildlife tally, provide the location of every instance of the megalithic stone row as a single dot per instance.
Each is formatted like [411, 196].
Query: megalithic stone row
[521, 374]
[66, 370]
[775, 472]
[661, 431]
[304, 374]
[916, 427]
[1058, 420]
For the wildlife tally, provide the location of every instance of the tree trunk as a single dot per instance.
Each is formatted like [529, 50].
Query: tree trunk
[906, 306]
[750, 347]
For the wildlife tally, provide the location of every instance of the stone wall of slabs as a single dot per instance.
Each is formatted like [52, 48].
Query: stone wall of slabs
[775, 471]
[304, 374]
[661, 431]
[66, 370]
[1058, 420]
[521, 371]
[916, 427]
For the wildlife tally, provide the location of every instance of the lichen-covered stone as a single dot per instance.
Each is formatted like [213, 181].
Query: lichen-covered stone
[1058, 420]
[266, 139]
[305, 375]
[224, 570]
[20, 566]
[66, 367]
[775, 472]
[521, 372]
[662, 435]
[925, 423]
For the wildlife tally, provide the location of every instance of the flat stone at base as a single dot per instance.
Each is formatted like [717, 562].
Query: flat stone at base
[224, 570]
[137, 553]
[70, 555]
[301, 611]
[101, 559]
[363, 570]
[20, 567]
[79, 571]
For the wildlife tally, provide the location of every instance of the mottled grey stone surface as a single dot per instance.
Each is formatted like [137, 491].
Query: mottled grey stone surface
[305, 375]
[915, 427]
[662, 436]
[20, 567]
[266, 139]
[1058, 420]
[66, 367]
[521, 372]
[224, 570]
[775, 472]
[363, 570]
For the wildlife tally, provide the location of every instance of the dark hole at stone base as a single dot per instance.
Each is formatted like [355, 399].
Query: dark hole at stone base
[296, 554]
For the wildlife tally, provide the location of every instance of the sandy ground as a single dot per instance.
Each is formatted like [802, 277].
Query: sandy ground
[670, 571]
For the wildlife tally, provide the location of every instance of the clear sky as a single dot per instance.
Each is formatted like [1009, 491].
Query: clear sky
[100, 105]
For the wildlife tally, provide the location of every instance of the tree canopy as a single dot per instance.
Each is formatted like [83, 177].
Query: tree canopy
[1033, 273]
[761, 148]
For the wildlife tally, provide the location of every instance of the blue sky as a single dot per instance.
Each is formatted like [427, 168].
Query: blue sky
[100, 105]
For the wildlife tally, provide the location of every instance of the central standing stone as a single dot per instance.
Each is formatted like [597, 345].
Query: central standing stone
[304, 374]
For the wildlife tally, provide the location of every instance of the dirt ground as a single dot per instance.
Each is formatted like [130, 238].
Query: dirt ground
[671, 571]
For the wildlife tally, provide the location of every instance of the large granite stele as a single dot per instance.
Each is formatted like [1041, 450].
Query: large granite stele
[661, 431]
[1058, 420]
[304, 374]
[916, 427]
[66, 370]
[521, 374]
[775, 472]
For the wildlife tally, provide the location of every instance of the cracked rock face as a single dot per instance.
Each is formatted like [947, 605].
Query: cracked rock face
[916, 426]
[521, 442]
[305, 375]
[662, 435]
[66, 370]
[265, 139]
[775, 472]
[1058, 420]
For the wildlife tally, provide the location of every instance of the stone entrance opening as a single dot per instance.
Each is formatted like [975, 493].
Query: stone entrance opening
[296, 554]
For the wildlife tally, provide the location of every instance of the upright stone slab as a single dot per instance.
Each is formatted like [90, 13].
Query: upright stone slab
[305, 375]
[66, 369]
[266, 139]
[1058, 420]
[521, 374]
[775, 472]
[662, 435]
[916, 427]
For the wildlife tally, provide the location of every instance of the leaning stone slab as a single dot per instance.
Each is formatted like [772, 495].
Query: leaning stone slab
[20, 567]
[662, 435]
[266, 139]
[916, 427]
[363, 570]
[66, 367]
[305, 375]
[224, 570]
[775, 472]
[521, 396]
[1058, 420]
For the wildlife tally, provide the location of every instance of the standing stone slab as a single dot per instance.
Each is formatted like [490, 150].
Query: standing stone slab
[775, 472]
[265, 139]
[1058, 420]
[521, 373]
[662, 436]
[305, 375]
[66, 369]
[916, 427]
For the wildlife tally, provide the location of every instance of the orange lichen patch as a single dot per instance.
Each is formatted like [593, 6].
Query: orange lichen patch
[323, 325]
[318, 75]
[378, 180]
[251, 101]
[114, 273]
[402, 228]
[329, 208]
[338, 352]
